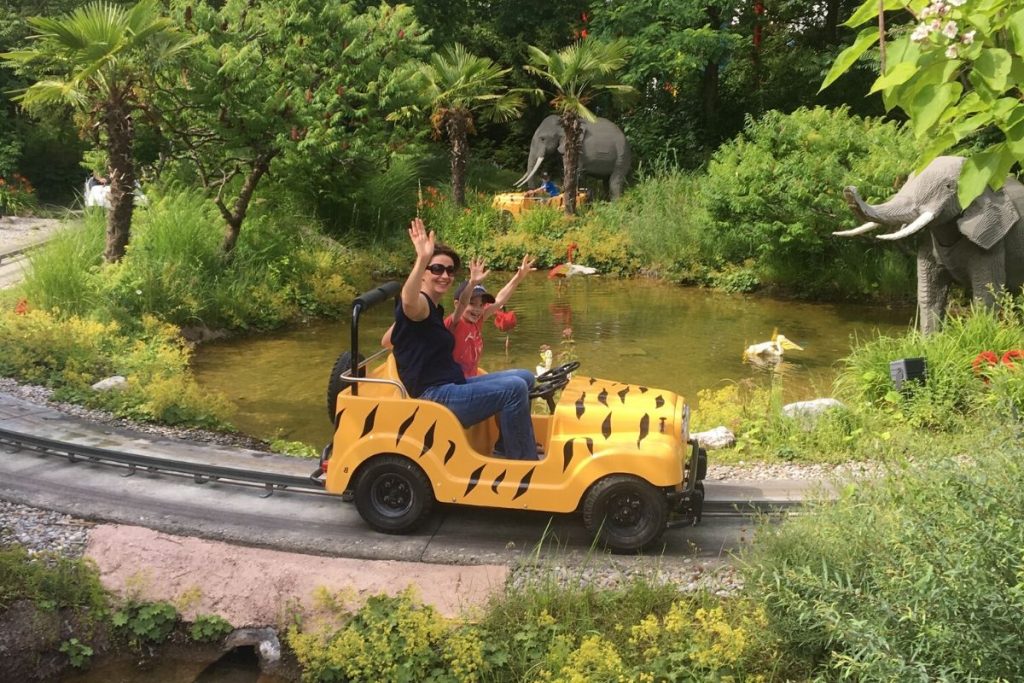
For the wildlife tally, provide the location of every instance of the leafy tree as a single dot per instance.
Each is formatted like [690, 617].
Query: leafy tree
[457, 86]
[575, 75]
[701, 66]
[99, 59]
[774, 194]
[300, 84]
[958, 75]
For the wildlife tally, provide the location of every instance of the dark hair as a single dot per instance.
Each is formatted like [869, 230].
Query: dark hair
[443, 249]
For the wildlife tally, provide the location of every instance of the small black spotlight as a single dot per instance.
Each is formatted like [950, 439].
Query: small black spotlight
[908, 369]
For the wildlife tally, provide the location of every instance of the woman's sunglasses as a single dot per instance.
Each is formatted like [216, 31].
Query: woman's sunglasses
[438, 269]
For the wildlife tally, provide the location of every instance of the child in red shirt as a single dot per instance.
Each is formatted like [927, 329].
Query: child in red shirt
[473, 305]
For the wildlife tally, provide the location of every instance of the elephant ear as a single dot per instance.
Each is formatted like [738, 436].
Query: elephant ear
[988, 218]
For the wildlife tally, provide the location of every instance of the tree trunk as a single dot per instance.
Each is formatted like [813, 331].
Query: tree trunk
[235, 216]
[572, 125]
[831, 22]
[709, 80]
[120, 134]
[456, 126]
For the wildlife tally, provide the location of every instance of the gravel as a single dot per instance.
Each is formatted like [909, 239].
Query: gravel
[42, 531]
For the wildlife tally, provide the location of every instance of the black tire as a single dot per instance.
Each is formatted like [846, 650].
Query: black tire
[335, 384]
[626, 514]
[392, 494]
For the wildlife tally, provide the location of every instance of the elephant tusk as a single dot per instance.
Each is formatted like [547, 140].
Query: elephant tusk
[907, 230]
[867, 227]
[526, 178]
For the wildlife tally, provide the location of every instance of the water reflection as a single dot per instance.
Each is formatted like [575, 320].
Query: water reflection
[639, 331]
[240, 665]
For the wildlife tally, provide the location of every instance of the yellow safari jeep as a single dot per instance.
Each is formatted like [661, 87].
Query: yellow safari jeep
[617, 452]
[513, 204]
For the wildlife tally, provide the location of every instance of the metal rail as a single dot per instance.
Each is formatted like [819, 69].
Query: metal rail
[270, 482]
[200, 472]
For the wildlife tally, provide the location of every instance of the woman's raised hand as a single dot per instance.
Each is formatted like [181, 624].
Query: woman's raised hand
[477, 271]
[422, 240]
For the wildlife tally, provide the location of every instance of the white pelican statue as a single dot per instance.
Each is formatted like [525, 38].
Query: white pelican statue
[770, 351]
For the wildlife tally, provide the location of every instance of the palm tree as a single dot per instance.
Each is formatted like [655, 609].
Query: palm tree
[460, 85]
[576, 74]
[98, 59]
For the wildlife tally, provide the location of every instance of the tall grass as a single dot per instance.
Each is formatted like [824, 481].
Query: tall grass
[914, 577]
[64, 273]
[661, 218]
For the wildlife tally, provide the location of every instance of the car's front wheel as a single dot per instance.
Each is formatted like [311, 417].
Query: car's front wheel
[392, 494]
[626, 514]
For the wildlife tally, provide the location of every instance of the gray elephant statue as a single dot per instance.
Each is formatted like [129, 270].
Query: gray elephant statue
[980, 247]
[604, 153]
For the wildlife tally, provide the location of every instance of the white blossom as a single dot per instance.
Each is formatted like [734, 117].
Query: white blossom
[927, 12]
[949, 30]
[951, 52]
[957, 3]
[920, 33]
[935, 25]
[968, 37]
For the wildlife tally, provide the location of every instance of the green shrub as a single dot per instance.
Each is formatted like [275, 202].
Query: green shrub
[662, 222]
[17, 197]
[49, 581]
[209, 627]
[916, 576]
[953, 393]
[65, 273]
[78, 652]
[148, 622]
[775, 194]
[69, 354]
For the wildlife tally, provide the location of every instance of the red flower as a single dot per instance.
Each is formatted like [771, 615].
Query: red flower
[505, 320]
[1010, 357]
[989, 359]
[21, 308]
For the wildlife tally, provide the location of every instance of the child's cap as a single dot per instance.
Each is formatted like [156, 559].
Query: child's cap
[477, 291]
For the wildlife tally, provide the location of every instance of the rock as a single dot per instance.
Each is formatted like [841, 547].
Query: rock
[810, 409]
[110, 383]
[719, 437]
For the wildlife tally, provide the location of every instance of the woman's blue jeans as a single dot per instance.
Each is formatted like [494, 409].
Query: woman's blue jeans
[504, 393]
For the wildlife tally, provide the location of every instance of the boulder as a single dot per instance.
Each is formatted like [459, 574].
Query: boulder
[110, 383]
[810, 410]
[719, 437]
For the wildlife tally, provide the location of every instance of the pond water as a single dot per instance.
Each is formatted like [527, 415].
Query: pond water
[238, 666]
[640, 331]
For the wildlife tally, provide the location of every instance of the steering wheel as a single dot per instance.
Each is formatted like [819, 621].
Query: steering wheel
[551, 381]
[561, 372]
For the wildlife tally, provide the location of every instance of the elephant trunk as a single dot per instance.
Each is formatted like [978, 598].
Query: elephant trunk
[529, 174]
[896, 211]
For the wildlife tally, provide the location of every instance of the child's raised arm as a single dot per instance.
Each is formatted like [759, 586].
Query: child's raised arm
[477, 272]
[502, 297]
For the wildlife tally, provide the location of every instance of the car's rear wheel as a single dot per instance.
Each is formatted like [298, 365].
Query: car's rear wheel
[335, 385]
[626, 514]
[392, 494]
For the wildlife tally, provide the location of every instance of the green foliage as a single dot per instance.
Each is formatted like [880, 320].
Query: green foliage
[305, 96]
[70, 353]
[390, 638]
[955, 391]
[295, 448]
[916, 576]
[775, 194]
[957, 75]
[661, 220]
[78, 652]
[643, 630]
[17, 198]
[50, 581]
[175, 269]
[209, 627]
[145, 623]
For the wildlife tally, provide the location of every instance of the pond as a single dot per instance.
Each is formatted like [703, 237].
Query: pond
[640, 331]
